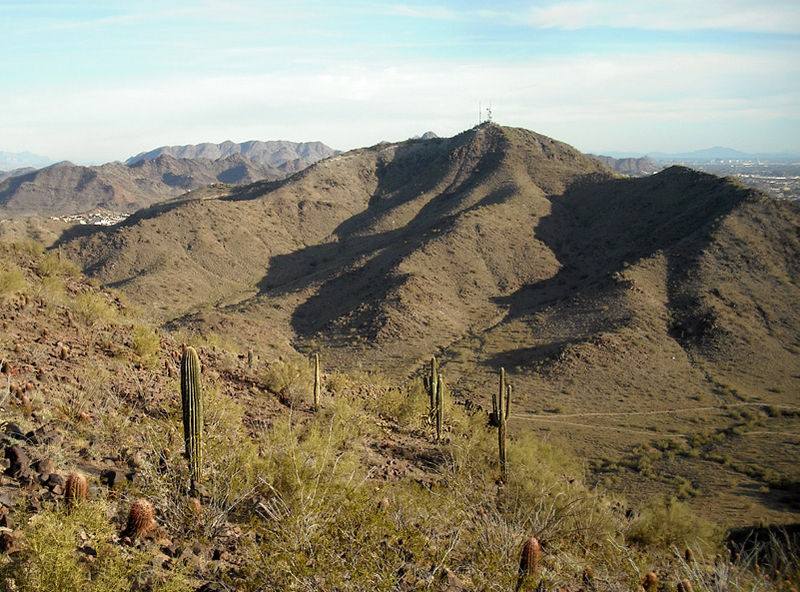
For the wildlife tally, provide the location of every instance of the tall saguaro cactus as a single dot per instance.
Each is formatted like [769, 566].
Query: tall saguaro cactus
[317, 383]
[501, 402]
[192, 404]
[439, 406]
[432, 384]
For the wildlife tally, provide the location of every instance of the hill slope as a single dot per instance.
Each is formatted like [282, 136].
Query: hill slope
[356, 494]
[66, 188]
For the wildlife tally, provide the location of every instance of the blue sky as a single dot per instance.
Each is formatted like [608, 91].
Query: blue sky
[98, 81]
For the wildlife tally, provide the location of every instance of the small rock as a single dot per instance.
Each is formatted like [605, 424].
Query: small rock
[173, 549]
[5, 520]
[44, 435]
[14, 431]
[11, 541]
[160, 560]
[19, 464]
[452, 581]
[113, 478]
[6, 501]
[35, 503]
[212, 587]
[55, 480]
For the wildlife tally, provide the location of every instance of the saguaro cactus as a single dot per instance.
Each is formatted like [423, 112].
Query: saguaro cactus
[317, 383]
[439, 406]
[501, 402]
[431, 383]
[192, 403]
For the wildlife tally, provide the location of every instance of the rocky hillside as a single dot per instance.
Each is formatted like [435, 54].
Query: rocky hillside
[65, 188]
[357, 493]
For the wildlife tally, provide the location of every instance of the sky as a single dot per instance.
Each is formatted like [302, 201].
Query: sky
[98, 81]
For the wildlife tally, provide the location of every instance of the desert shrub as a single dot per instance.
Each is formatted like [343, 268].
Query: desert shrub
[28, 247]
[52, 265]
[12, 281]
[51, 558]
[52, 289]
[321, 524]
[93, 309]
[146, 344]
[408, 406]
[291, 377]
[670, 523]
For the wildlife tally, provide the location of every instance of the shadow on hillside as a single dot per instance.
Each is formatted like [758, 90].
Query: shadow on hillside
[524, 356]
[358, 272]
[13, 184]
[597, 229]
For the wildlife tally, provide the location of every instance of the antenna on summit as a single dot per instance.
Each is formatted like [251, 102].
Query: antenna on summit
[488, 111]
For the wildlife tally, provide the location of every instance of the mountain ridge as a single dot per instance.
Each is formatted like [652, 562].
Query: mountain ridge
[275, 153]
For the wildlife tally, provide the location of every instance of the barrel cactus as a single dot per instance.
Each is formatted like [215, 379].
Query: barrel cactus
[76, 489]
[140, 520]
[529, 560]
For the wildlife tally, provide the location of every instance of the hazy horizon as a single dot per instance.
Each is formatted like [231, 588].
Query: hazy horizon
[96, 82]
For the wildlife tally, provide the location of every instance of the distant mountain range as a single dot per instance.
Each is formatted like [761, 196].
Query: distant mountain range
[17, 160]
[632, 167]
[288, 157]
[65, 188]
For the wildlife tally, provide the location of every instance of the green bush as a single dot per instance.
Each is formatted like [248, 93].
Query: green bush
[668, 523]
[12, 281]
[292, 377]
[93, 309]
[52, 265]
[146, 344]
[54, 555]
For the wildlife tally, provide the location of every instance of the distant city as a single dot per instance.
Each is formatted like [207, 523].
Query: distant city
[781, 180]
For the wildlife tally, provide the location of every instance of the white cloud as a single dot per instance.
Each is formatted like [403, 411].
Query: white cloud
[345, 106]
[776, 16]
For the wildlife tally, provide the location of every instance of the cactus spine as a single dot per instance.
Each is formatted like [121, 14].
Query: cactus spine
[317, 383]
[192, 403]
